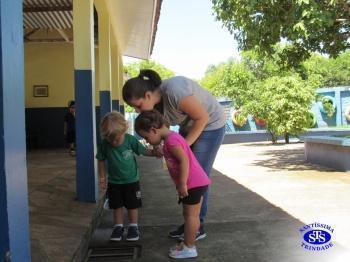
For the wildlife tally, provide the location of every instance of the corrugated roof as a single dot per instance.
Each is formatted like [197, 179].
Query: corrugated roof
[52, 21]
[48, 14]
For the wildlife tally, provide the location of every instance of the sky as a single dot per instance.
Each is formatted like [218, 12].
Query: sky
[189, 39]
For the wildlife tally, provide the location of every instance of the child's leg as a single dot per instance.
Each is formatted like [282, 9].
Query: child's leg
[118, 229]
[118, 216]
[191, 216]
[133, 215]
[133, 229]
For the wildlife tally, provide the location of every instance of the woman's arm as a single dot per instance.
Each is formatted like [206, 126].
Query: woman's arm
[182, 159]
[193, 108]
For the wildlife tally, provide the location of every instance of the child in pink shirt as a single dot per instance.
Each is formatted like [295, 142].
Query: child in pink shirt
[190, 179]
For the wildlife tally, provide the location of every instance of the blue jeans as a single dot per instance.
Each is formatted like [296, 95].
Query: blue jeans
[205, 149]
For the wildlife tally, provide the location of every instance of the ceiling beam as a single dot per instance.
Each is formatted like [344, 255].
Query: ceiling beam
[36, 9]
[26, 36]
[48, 40]
[63, 34]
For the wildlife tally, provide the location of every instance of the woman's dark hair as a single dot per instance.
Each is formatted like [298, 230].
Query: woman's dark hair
[149, 119]
[136, 87]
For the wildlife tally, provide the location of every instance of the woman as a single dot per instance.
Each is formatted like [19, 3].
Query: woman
[185, 103]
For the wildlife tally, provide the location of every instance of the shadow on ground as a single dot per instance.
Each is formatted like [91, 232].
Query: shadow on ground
[241, 225]
[279, 160]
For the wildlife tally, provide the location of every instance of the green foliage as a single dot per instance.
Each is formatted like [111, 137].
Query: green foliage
[266, 88]
[308, 25]
[328, 71]
[128, 108]
[283, 102]
[133, 69]
[231, 79]
[263, 66]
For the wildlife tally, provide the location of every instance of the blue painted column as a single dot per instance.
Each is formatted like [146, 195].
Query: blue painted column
[115, 105]
[14, 222]
[122, 109]
[86, 180]
[105, 102]
[339, 111]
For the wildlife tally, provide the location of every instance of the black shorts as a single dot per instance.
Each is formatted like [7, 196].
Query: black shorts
[124, 195]
[194, 195]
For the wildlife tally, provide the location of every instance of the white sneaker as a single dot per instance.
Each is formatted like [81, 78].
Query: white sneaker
[182, 251]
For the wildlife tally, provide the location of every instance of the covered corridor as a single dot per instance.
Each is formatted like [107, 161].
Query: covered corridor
[54, 51]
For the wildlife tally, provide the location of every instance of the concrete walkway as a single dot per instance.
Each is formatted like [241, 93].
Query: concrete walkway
[261, 196]
[60, 226]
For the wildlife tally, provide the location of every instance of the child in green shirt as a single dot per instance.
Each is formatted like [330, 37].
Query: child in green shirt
[123, 190]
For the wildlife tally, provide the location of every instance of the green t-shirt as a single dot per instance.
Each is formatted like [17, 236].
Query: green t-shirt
[122, 166]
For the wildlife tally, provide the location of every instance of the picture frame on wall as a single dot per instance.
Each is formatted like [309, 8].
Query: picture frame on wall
[40, 90]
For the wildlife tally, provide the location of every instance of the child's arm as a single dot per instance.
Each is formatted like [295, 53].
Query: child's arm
[102, 173]
[182, 159]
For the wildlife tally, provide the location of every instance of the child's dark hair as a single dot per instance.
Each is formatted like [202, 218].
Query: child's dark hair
[136, 87]
[71, 103]
[149, 119]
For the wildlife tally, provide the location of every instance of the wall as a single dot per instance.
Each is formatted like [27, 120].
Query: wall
[342, 100]
[49, 64]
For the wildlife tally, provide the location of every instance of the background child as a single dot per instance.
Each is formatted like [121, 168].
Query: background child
[190, 179]
[69, 127]
[118, 149]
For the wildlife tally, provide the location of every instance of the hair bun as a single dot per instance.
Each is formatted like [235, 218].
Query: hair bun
[149, 74]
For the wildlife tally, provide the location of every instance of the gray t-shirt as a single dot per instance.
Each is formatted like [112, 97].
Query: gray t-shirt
[175, 89]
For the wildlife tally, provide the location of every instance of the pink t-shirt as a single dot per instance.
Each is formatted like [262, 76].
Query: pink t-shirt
[197, 177]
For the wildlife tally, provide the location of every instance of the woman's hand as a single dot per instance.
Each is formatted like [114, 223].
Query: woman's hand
[182, 191]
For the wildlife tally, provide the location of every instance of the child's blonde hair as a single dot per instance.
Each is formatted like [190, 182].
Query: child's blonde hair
[112, 125]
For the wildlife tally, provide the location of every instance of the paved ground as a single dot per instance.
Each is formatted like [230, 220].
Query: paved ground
[261, 195]
[60, 226]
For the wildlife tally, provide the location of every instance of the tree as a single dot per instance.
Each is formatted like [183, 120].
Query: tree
[231, 79]
[328, 71]
[284, 103]
[261, 87]
[308, 25]
[133, 69]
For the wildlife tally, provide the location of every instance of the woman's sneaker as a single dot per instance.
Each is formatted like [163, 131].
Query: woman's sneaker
[133, 233]
[178, 232]
[182, 251]
[200, 234]
[117, 233]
